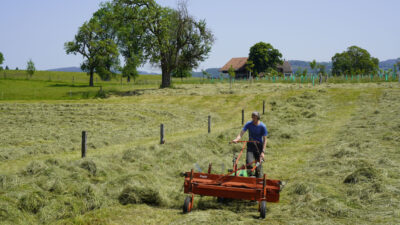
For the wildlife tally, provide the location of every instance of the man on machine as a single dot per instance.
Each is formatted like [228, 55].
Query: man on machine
[258, 137]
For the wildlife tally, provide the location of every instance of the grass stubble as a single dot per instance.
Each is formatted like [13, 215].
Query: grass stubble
[336, 146]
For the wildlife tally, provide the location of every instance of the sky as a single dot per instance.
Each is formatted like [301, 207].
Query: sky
[299, 29]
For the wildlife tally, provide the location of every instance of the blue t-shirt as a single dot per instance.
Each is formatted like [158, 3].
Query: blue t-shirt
[256, 132]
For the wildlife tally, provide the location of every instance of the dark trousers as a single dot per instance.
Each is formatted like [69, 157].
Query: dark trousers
[253, 153]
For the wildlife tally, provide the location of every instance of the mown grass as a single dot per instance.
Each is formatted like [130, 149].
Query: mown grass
[335, 145]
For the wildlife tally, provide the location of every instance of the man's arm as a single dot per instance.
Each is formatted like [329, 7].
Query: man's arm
[239, 136]
[264, 147]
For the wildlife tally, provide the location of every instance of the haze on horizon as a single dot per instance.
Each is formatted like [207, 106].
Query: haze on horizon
[301, 30]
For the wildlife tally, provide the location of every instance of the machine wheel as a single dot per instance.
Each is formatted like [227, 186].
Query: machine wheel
[187, 205]
[263, 209]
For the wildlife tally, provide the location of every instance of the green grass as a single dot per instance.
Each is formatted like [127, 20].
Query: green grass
[336, 146]
[46, 85]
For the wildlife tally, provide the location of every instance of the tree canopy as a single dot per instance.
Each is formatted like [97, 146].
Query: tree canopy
[354, 61]
[264, 56]
[142, 31]
[313, 64]
[97, 48]
[1, 58]
[30, 67]
[176, 39]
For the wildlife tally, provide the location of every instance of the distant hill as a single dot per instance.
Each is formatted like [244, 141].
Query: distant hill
[296, 64]
[213, 71]
[67, 69]
[388, 64]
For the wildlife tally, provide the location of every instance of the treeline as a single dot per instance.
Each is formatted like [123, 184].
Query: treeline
[141, 31]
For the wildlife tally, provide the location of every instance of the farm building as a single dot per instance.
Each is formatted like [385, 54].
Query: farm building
[285, 69]
[239, 65]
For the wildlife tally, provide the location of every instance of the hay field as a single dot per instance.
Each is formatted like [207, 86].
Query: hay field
[336, 146]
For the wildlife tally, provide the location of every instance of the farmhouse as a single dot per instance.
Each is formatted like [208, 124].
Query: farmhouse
[239, 65]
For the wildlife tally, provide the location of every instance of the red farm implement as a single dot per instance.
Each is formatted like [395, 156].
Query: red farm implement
[231, 186]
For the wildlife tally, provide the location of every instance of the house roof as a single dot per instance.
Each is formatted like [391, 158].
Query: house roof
[239, 62]
[286, 67]
[236, 63]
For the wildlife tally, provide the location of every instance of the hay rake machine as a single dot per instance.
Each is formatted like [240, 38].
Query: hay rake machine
[233, 185]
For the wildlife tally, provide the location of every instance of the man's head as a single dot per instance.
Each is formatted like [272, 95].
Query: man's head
[255, 116]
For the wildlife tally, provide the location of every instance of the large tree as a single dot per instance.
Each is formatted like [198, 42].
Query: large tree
[125, 20]
[99, 51]
[264, 56]
[354, 60]
[175, 39]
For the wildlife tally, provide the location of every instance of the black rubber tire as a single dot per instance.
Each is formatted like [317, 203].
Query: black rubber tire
[186, 204]
[263, 209]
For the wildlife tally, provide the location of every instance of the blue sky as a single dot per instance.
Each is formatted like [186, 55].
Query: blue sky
[304, 30]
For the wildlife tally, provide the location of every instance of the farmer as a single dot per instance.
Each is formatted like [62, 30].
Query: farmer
[255, 150]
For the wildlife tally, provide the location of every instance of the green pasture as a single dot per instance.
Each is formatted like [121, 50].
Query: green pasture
[17, 85]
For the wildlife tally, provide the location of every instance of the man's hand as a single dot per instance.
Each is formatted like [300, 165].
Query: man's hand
[235, 140]
[262, 156]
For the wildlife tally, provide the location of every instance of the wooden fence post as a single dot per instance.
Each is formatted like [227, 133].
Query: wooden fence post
[242, 116]
[209, 124]
[84, 144]
[162, 141]
[263, 107]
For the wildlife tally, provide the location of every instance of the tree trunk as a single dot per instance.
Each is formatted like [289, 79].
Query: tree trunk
[128, 79]
[91, 78]
[166, 77]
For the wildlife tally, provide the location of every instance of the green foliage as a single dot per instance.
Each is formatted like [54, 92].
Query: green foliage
[97, 48]
[30, 68]
[298, 72]
[1, 58]
[183, 73]
[264, 55]
[231, 72]
[176, 40]
[206, 74]
[271, 72]
[313, 65]
[122, 21]
[250, 66]
[354, 61]
[7, 68]
[321, 69]
[305, 71]
[130, 69]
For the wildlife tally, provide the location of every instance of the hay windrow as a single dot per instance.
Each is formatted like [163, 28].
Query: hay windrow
[138, 195]
[364, 174]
